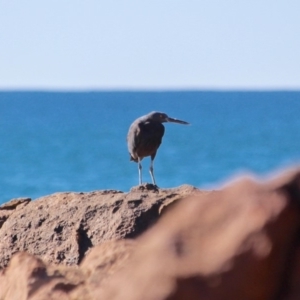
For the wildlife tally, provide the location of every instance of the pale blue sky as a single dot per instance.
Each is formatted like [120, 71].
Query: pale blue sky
[138, 44]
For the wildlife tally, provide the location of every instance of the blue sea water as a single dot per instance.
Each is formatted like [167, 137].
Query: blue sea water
[63, 141]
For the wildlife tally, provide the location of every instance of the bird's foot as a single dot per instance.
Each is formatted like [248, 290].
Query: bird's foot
[145, 187]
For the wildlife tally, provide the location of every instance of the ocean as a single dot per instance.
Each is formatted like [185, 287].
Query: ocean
[76, 141]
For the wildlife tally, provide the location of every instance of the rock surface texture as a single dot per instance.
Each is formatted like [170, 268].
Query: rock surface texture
[241, 241]
[62, 227]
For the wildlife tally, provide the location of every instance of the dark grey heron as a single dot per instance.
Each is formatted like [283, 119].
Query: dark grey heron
[144, 138]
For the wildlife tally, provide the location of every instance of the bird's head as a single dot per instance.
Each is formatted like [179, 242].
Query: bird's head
[162, 118]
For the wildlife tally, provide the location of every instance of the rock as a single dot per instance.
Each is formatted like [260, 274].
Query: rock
[241, 242]
[62, 227]
[6, 209]
[27, 277]
[105, 258]
[101, 263]
[14, 203]
[4, 215]
[238, 242]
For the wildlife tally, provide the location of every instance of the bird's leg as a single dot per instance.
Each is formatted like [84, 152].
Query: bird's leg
[140, 171]
[151, 172]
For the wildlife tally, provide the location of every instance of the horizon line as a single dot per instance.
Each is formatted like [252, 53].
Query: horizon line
[154, 90]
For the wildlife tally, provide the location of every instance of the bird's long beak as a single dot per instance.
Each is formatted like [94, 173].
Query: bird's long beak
[177, 121]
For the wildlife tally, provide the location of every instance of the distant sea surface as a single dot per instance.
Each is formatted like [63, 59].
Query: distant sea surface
[62, 141]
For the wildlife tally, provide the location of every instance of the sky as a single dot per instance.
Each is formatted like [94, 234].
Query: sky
[152, 45]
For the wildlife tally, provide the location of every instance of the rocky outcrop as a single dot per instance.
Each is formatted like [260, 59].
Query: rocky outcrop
[238, 242]
[241, 242]
[28, 277]
[62, 227]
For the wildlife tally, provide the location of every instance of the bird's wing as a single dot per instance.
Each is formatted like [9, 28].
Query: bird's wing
[148, 137]
[133, 140]
[144, 138]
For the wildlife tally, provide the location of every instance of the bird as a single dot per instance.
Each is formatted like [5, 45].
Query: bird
[145, 136]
